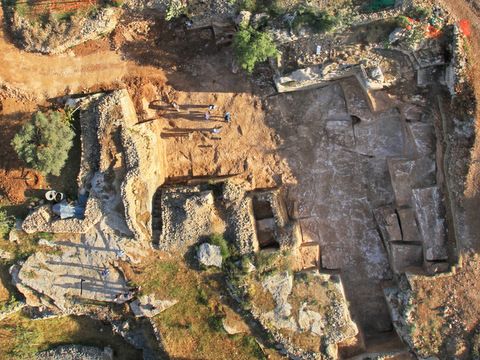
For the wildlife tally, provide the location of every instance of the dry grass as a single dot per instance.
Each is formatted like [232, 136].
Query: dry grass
[192, 328]
[446, 312]
[21, 337]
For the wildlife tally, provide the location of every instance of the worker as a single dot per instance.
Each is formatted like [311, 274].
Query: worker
[105, 272]
[175, 106]
[227, 117]
[211, 107]
[207, 115]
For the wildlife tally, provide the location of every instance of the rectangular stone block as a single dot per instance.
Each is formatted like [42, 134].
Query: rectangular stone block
[404, 256]
[408, 225]
[429, 213]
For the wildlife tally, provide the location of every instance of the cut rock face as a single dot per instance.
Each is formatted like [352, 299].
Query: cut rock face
[209, 255]
[429, 213]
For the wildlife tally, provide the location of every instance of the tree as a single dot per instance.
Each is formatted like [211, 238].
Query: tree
[252, 46]
[6, 223]
[43, 143]
[175, 9]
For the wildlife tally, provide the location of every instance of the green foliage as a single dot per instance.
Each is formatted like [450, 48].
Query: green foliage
[215, 322]
[269, 263]
[64, 16]
[25, 340]
[250, 343]
[318, 21]
[175, 9]
[6, 223]
[419, 13]
[249, 5]
[252, 47]
[377, 5]
[402, 21]
[22, 9]
[202, 297]
[44, 142]
[9, 305]
[219, 240]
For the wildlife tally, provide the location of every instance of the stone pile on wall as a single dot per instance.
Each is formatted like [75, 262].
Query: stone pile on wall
[188, 214]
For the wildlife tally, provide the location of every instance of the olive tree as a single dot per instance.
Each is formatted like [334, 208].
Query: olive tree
[44, 142]
[252, 46]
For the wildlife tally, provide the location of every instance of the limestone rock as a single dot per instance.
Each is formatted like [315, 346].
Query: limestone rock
[5, 255]
[243, 19]
[45, 242]
[13, 236]
[209, 255]
[309, 320]
[259, 19]
[280, 286]
[148, 306]
[233, 323]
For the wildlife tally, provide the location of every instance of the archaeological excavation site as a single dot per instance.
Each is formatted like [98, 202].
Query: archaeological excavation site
[239, 179]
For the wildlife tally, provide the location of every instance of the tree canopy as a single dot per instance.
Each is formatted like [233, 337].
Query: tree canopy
[44, 142]
[252, 46]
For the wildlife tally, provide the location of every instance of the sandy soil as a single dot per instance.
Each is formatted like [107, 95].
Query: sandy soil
[443, 311]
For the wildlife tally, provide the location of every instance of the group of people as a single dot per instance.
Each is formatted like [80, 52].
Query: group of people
[227, 116]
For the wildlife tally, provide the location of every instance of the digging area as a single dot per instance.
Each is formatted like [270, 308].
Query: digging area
[305, 210]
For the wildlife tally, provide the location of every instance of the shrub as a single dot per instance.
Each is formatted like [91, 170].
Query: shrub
[402, 21]
[419, 13]
[6, 223]
[249, 5]
[44, 142]
[252, 46]
[175, 9]
[215, 322]
[320, 21]
[219, 240]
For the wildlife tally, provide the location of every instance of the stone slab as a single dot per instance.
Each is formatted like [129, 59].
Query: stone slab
[387, 221]
[429, 214]
[404, 256]
[407, 174]
[408, 224]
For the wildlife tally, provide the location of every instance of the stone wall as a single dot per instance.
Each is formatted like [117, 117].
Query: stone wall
[145, 166]
[455, 71]
[129, 179]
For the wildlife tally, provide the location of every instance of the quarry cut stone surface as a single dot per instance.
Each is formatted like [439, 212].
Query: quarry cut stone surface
[404, 256]
[429, 213]
[387, 221]
[209, 255]
[408, 225]
[406, 175]
[148, 306]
